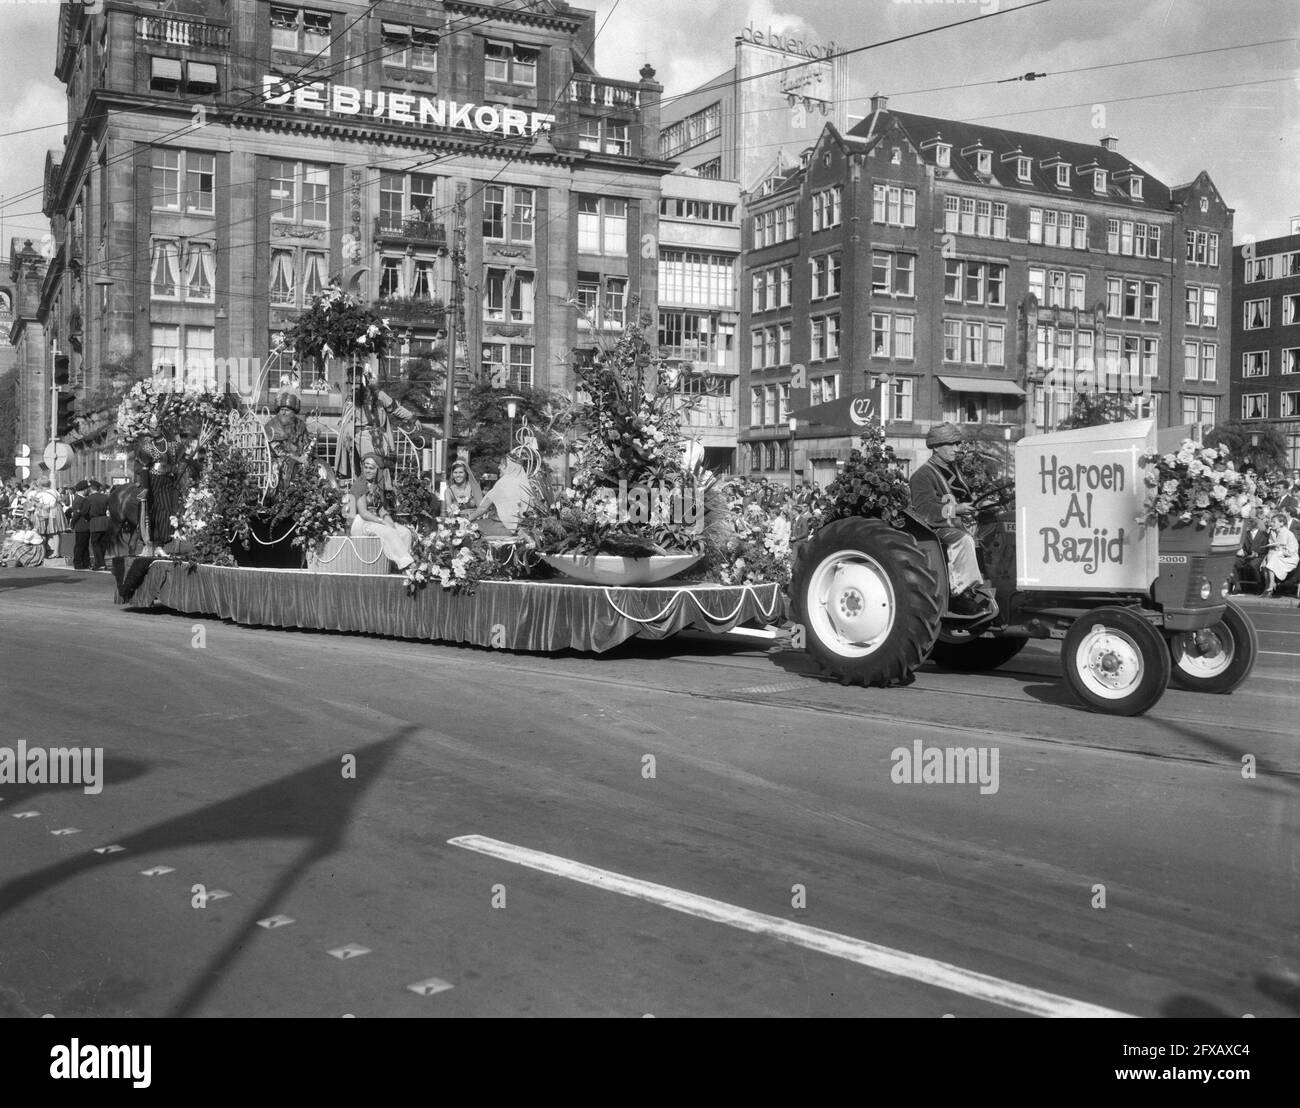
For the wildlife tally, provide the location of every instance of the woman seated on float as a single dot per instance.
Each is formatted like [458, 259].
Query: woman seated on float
[461, 494]
[374, 513]
[510, 497]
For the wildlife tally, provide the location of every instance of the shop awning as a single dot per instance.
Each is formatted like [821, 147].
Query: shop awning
[985, 385]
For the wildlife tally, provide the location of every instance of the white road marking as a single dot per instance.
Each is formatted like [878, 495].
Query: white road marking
[430, 986]
[899, 963]
[350, 950]
[1281, 653]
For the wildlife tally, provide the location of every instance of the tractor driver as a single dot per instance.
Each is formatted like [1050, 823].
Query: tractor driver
[938, 492]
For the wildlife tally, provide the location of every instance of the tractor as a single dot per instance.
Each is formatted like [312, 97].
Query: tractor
[1067, 549]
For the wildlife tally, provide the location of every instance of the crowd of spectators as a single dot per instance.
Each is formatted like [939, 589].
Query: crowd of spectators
[34, 517]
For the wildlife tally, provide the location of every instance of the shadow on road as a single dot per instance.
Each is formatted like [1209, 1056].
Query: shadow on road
[8, 584]
[315, 805]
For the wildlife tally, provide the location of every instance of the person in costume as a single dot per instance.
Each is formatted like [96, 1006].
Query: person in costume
[461, 494]
[160, 462]
[373, 503]
[288, 439]
[510, 497]
[940, 497]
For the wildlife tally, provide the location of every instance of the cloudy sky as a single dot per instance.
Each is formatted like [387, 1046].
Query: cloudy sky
[1247, 135]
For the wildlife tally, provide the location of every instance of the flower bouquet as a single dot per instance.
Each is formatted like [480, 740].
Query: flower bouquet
[451, 554]
[1199, 486]
[335, 325]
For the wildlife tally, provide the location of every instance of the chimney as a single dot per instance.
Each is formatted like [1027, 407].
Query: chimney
[879, 103]
[1111, 143]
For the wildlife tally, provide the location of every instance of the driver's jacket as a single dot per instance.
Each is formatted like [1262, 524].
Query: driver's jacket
[936, 490]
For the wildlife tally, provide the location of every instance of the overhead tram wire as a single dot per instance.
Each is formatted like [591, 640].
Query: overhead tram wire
[255, 93]
[189, 128]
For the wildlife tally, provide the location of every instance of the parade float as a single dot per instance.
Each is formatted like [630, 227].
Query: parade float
[644, 543]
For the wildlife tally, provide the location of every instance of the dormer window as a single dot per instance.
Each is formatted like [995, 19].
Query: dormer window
[984, 162]
[1135, 188]
[1099, 180]
[943, 155]
[1063, 176]
[1024, 168]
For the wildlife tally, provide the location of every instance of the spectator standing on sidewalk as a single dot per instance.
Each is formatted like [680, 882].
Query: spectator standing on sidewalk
[97, 513]
[80, 526]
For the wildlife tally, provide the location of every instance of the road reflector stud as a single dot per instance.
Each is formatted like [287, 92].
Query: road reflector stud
[351, 950]
[157, 871]
[113, 849]
[430, 985]
[67, 831]
[25, 815]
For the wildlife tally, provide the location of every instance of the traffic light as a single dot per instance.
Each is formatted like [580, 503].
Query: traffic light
[67, 413]
[62, 366]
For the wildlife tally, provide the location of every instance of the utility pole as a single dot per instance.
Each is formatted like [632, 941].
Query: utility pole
[455, 326]
[54, 414]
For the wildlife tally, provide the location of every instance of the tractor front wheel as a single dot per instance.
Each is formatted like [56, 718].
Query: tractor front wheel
[1217, 659]
[868, 601]
[1115, 661]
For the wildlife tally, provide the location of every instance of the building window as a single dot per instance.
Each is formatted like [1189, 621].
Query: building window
[1202, 248]
[1075, 293]
[1053, 228]
[1024, 167]
[825, 275]
[1254, 405]
[1290, 309]
[509, 213]
[390, 276]
[602, 225]
[1062, 176]
[1290, 405]
[299, 191]
[165, 269]
[304, 32]
[409, 47]
[1140, 240]
[182, 353]
[406, 196]
[508, 296]
[183, 180]
[694, 129]
[1135, 188]
[892, 274]
[783, 344]
[182, 271]
[1129, 298]
[1291, 360]
[1254, 363]
[702, 211]
[973, 342]
[1099, 181]
[1261, 269]
[978, 407]
[826, 208]
[696, 279]
[1255, 314]
[510, 63]
[893, 206]
[514, 358]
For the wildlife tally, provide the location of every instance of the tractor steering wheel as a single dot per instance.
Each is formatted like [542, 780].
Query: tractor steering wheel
[999, 495]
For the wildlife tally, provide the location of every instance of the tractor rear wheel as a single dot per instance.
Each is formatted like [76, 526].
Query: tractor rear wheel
[1220, 665]
[1115, 661]
[868, 601]
[975, 655]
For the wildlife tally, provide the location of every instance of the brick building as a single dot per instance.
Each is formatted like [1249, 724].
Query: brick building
[227, 157]
[1265, 363]
[953, 271]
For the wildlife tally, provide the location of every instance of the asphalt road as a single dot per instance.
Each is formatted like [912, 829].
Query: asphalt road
[695, 827]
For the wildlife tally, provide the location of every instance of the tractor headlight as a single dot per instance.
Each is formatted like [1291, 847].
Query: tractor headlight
[1205, 590]
[1223, 592]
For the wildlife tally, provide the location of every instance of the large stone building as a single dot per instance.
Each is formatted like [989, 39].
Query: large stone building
[460, 163]
[1265, 363]
[943, 270]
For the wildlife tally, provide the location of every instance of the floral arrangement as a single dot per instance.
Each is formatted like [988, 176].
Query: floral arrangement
[872, 483]
[760, 520]
[1197, 484]
[413, 498]
[194, 411]
[218, 512]
[335, 325]
[634, 490]
[451, 554]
